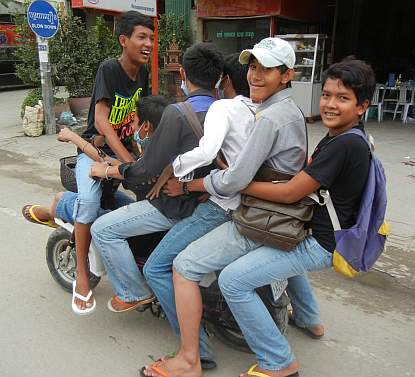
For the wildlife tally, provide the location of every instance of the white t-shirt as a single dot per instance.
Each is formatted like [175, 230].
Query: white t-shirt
[227, 126]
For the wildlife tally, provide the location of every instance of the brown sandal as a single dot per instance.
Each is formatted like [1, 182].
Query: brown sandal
[117, 305]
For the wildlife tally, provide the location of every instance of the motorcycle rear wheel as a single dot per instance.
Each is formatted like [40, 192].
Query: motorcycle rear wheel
[61, 261]
[227, 330]
[231, 337]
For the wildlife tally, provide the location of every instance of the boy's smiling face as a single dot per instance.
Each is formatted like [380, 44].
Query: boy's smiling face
[264, 82]
[139, 45]
[339, 109]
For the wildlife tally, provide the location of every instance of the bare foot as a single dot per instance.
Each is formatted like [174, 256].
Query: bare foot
[317, 330]
[177, 366]
[38, 215]
[291, 370]
[314, 331]
[82, 287]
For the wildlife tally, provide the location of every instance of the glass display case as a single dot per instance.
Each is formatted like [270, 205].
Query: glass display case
[309, 53]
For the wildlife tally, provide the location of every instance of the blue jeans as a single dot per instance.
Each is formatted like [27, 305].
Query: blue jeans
[88, 201]
[213, 252]
[65, 206]
[264, 266]
[158, 269]
[110, 233]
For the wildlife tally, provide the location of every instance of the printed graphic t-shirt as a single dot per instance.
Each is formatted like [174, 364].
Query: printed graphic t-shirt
[121, 93]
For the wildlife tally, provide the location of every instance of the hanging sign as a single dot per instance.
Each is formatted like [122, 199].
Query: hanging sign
[146, 7]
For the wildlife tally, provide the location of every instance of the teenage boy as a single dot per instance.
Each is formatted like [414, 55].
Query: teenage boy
[118, 85]
[149, 110]
[202, 67]
[227, 126]
[279, 138]
[340, 163]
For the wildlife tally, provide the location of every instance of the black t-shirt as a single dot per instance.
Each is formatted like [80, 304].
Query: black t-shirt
[121, 93]
[341, 167]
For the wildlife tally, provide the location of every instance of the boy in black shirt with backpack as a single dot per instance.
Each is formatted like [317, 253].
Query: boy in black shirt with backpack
[339, 165]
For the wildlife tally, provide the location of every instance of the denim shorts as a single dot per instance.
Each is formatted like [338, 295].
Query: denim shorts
[66, 205]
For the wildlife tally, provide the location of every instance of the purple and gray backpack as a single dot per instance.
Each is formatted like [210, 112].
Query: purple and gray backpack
[358, 247]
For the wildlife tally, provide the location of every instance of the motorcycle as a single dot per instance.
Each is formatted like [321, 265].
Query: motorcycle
[217, 317]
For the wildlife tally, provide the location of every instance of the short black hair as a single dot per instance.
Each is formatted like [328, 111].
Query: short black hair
[203, 64]
[151, 108]
[237, 73]
[356, 75]
[128, 20]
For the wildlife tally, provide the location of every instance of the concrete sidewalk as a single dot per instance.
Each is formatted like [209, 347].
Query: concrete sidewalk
[395, 146]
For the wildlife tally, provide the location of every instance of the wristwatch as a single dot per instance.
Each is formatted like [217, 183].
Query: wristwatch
[185, 189]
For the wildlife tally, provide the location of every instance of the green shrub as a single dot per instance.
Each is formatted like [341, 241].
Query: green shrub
[32, 98]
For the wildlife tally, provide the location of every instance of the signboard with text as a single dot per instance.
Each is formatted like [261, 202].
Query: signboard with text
[43, 19]
[146, 7]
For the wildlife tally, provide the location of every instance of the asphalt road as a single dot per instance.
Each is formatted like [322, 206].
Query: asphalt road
[370, 328]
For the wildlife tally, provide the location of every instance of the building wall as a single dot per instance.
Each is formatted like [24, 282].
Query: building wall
[180, 7]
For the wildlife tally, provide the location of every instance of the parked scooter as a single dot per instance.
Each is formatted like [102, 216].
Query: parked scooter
[217, 317]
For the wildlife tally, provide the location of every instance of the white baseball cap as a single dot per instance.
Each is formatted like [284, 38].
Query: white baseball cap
[270, 52]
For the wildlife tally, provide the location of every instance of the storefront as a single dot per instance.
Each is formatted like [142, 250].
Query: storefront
[236, 25]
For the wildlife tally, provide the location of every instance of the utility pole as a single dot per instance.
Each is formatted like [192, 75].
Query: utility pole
[44, 22]
[47, 88]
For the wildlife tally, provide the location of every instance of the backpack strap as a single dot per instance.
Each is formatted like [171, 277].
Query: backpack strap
[327, 201]
[330, 209]
[370, 141]
[187, 110]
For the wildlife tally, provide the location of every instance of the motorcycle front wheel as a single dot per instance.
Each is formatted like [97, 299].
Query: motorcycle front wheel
[61, 260]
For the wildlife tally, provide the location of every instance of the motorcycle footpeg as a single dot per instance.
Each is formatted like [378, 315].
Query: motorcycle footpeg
[143, 308]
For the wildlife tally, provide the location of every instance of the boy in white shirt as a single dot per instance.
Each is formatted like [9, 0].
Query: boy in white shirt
[227, 127]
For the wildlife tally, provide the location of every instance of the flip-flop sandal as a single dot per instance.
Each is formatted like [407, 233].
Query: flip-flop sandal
[127, 306]
[155, 368]
[305, 330]
[206, 363]
[252, 372]
[29, 214]
[75, 308]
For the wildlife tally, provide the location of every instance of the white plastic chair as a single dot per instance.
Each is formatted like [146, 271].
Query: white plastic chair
[402, 101]
[377, 101]
[407, 105]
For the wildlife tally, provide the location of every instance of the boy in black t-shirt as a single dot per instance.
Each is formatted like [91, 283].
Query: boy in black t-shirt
[118, 85]
[342, 167]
